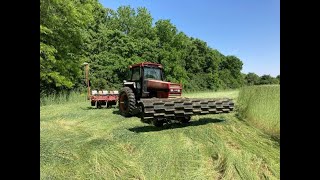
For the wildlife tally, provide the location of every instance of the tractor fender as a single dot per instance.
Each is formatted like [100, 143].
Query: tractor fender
[130, 84]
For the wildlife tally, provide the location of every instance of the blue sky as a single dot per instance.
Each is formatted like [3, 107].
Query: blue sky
[248, 29]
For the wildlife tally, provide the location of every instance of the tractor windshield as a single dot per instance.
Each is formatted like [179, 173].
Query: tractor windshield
[152, 73]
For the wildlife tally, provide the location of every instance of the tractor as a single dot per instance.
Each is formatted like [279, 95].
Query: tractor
[147, 95]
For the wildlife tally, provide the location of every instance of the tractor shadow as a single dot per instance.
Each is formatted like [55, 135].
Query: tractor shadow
[151, 128]
[89, 108]
[94, 108]
[116, 111]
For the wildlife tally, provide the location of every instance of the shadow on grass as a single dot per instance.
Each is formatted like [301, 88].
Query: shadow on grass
[239, 116]
[151, 128]
[276, 138]
[94, 108]
[91, 108]
[116, 111]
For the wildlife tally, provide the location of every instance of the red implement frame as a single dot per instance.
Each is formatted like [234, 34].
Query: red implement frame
[106, 100]
[109, 97]
[99, 99]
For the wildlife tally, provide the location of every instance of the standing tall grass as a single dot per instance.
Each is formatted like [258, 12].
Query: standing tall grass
[62, 98]
[260, 106]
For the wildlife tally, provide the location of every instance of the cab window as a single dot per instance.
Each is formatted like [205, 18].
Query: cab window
[136, 74]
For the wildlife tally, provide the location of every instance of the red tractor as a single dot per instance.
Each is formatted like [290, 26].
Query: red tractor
[156, 101]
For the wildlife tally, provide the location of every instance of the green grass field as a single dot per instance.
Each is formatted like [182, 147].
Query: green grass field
[260, 106]
[80, 142]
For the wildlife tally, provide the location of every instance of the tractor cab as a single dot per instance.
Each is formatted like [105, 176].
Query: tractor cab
[147, 80]
[146, 71]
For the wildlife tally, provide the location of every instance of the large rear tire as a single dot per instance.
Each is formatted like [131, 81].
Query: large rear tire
[127, 102]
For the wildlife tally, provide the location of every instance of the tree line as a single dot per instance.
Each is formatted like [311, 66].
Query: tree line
[77, 31]
[254, 79]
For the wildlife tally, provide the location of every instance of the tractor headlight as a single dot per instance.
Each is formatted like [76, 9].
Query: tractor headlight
[174, 90]
[138, 85]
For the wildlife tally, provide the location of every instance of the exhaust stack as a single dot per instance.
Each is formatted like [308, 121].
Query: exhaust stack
[86, 69]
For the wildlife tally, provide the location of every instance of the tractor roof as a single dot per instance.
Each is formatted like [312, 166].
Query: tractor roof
[146, 64]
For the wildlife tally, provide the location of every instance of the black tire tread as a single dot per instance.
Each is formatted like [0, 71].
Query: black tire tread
[183, 107]
[132, 101]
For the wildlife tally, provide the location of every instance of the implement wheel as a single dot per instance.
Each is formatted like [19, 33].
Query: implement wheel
[186, 119]
[157, 122]
[127, 102]
[98, 104]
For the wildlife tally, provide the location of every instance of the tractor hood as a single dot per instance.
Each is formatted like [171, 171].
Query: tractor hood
[163, 85]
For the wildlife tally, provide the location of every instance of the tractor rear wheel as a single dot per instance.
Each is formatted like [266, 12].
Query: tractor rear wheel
[127, 102]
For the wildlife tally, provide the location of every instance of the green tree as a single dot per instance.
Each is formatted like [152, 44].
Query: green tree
[230, 72]
[77, 31]
[125, 19]
[62, 33]
[165, 31]
[267, 79]
[252, 79]
[142, 27]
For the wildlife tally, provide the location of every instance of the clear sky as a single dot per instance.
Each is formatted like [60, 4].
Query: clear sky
[248, 29]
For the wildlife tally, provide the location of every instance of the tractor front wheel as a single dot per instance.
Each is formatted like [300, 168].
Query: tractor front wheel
[127, 102]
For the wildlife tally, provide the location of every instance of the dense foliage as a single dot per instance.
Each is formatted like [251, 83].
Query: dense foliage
[77, 31]
[254, 79]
